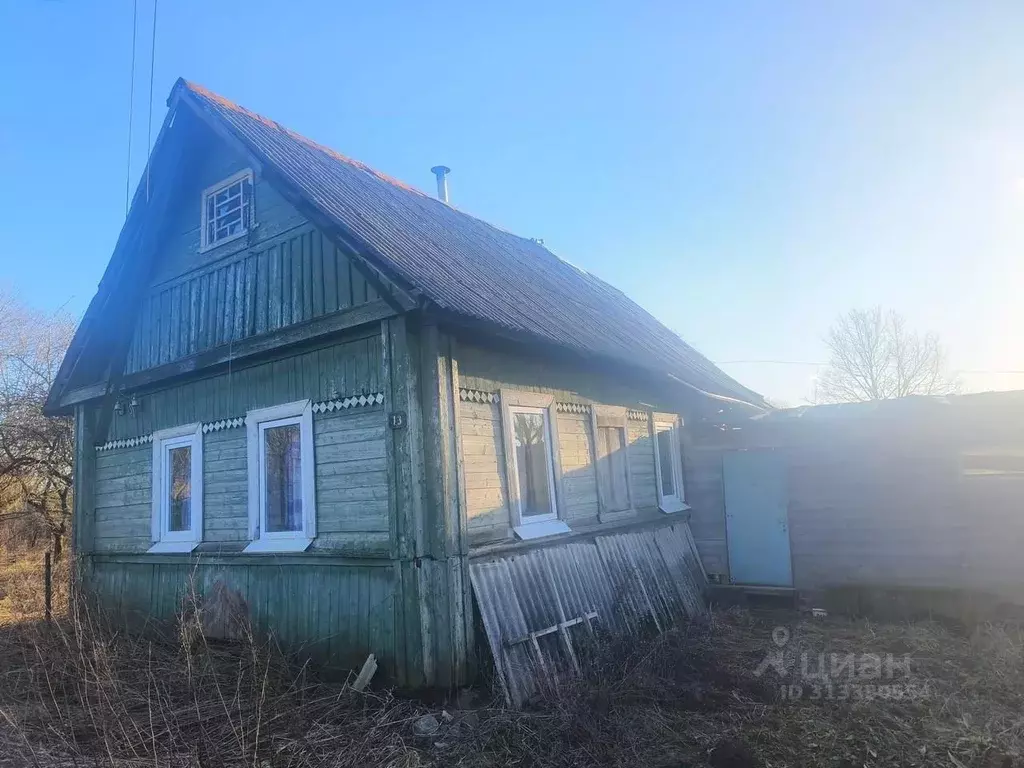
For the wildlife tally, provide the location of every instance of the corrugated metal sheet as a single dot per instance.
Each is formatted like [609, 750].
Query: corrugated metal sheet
[630, 580]
[299, 278]
[463, 264]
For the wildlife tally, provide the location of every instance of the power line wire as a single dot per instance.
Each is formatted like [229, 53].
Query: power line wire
[152, 68]
[131, 109]
[774, 362]
[808, 363]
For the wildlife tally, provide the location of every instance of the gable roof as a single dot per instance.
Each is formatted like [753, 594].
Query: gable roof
[464, 265]
[453, 262]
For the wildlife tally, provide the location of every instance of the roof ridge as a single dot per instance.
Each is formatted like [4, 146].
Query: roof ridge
[235, 106]
[358, 164]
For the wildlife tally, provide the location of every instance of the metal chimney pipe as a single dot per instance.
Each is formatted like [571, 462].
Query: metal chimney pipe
[441, 172]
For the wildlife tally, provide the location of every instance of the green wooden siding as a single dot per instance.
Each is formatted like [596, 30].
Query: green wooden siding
[348, 368]
[299, 277]
[225, 487]
[489, 516]
[488, 370]
[579, 475]
[351, 488]
[483, 462]
[351, 481]
[123, 506]
[179, 252]
[335, 612]
[641, 465]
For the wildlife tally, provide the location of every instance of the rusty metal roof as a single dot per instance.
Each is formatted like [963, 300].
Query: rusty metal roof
[464, 265]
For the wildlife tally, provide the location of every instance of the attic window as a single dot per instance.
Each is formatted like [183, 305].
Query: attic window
[227, 210]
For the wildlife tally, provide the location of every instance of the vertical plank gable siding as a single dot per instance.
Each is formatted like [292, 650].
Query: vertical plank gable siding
[299, 277]
[348, 368]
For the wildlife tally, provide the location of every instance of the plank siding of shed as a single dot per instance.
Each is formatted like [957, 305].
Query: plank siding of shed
[348, 368]
[899, 495]
[705, 493]
[862, 512]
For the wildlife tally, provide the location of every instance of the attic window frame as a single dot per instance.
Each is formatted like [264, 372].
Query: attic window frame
[246, 205]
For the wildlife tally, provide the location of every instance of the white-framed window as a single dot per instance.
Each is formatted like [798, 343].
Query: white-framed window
[227, 210]
[532, 465]
[668, 465]
[282, 492]
[177, 524]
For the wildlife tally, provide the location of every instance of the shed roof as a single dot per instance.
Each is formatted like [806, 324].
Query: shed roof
[463, 265]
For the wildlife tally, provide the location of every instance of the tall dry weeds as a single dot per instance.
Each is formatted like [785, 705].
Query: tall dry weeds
[82, 689]
[84, 692]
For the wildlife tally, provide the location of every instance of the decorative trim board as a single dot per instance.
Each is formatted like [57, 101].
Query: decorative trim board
[573, 408]
[476, 396]
[324, 406]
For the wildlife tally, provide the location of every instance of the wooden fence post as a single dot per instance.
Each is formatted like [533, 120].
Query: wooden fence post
[48, 586]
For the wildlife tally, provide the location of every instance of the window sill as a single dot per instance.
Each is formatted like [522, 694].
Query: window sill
[172, 547]
[298, 544]
[540, 530]
[671, 507]
[226, 241]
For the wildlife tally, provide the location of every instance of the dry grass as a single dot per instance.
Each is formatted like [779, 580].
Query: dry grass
[21, 586]
[78, 692]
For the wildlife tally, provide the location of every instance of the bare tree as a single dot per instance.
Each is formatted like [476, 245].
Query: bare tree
[874, 356]
[36, 452]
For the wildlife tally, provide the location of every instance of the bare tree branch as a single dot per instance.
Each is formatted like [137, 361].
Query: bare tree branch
[36, 452]
[874, 356]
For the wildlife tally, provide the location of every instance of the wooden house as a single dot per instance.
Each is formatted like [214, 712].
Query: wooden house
[347, 400]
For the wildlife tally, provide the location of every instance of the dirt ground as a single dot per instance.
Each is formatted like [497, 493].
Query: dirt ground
[747, 688]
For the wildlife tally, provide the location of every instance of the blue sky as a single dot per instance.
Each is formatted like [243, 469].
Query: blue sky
[745, 170]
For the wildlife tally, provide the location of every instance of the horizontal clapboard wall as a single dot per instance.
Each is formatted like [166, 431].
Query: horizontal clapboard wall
[297, 277]
[345, 369]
